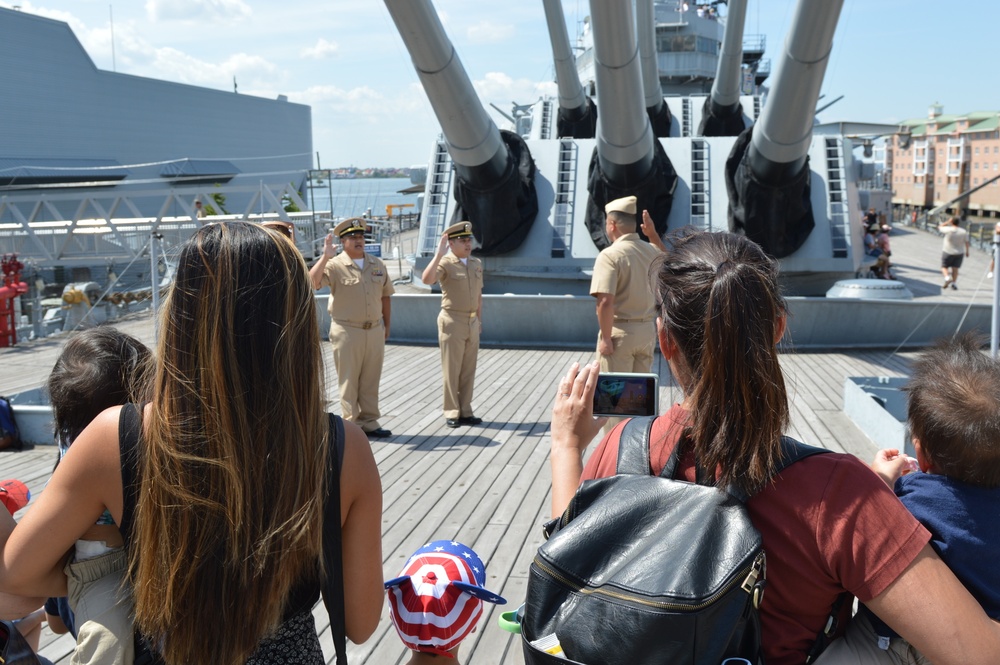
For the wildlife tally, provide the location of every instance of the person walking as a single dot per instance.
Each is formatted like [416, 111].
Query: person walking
[625, 308]
[954, 247]
[461, 319]
[360, 313]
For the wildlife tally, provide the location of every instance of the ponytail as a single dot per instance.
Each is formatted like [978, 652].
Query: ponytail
[720, 304]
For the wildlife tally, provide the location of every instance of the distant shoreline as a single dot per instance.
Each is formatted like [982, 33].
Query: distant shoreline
[360, 174]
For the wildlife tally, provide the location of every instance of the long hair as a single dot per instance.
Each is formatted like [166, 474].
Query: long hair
[719, 302]
[98, 368]
[229, 511]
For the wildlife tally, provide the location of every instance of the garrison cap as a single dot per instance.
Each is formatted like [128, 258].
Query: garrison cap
[460, 230]
[350, 226]
[625, 204]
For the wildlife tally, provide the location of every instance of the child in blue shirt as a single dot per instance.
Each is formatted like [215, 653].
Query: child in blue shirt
[954, 418]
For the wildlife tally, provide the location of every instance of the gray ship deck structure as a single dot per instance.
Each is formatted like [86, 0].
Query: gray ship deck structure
[78, 142]
[713, 157]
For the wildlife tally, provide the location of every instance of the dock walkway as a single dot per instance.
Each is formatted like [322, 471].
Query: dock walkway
[489, 486]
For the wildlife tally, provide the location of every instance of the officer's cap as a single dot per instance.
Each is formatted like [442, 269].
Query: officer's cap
[460, 230]
[350, 226]
[625, 204]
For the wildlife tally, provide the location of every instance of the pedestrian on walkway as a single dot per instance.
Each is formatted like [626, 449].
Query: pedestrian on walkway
[954, 248]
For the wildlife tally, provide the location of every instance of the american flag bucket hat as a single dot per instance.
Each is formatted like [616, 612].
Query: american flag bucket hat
[437, 600]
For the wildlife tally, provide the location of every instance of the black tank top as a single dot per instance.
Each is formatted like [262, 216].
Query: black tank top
[306, 592]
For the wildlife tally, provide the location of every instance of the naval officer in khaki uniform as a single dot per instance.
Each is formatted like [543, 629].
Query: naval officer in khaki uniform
[360, 313]
[625, 305]
[460, 320]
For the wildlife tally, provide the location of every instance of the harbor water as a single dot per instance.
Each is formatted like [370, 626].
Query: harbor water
[351, 197]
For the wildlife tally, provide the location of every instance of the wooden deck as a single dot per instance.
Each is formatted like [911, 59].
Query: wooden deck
[489, 486]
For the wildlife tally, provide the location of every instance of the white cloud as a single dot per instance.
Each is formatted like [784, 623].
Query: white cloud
[190, 10]
[486, 32]
[322, 49]
[502, 89]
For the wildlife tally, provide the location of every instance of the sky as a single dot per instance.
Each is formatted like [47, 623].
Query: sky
[891, 59]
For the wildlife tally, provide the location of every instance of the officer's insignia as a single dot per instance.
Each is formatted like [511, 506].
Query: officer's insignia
[378, 273]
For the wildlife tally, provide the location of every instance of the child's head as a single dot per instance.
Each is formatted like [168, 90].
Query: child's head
[954, 411]
[99, 368]
[437, 600]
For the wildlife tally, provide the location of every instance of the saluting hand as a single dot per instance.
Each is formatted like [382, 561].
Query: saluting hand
[649, 230]
[443, 245]
[330, 249]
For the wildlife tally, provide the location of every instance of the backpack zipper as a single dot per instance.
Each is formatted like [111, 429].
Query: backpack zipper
[747, 579]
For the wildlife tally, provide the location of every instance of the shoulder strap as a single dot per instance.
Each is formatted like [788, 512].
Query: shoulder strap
[633, 446]
[129, 429]
[792, 451]
[333, 580]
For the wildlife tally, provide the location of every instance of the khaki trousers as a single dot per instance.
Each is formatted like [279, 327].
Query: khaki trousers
[358, 355]
[860, 646]
[458, 336]
[102, 602]
[633, 348]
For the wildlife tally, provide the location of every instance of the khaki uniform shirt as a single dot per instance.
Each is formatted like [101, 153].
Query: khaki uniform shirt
[622, 270]
[461, 285]
[356, 294]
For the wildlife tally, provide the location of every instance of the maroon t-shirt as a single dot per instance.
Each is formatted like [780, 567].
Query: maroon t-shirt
[828, 524]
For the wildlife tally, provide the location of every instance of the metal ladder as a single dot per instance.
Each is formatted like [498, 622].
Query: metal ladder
[439, 180]
[546, 130]
[686, 116]
[562, 217]
[701, 191]
[840, 231]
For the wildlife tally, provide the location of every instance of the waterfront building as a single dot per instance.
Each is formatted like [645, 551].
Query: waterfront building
[934, 159]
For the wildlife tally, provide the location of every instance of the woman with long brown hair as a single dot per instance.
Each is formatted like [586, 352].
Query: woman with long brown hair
[829, 525]
[219, 483]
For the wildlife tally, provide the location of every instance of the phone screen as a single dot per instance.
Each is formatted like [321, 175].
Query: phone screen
[625, 395]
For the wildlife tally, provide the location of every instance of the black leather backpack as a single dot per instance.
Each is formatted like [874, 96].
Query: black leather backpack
[643, 569]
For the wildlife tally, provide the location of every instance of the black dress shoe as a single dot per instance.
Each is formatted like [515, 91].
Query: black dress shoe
[470, 420]
[379, 433]
[452, 422]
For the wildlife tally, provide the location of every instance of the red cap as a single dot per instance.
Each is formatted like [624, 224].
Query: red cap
[14, 494]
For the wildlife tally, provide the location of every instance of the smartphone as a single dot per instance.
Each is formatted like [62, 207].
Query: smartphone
[626, 394]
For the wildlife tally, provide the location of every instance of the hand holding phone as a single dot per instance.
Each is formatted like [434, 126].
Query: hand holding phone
[626, 394]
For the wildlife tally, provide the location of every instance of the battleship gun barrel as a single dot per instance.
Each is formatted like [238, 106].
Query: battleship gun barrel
[645, 29]
[782, 134]
[726, 88]
[624, 136]
[474, 142]
[571, 95]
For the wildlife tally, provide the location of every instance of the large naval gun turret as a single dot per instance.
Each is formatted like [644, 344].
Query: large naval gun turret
[495, 175]
[775, 182]
[627, 160]
[577, 116]
[722, 114]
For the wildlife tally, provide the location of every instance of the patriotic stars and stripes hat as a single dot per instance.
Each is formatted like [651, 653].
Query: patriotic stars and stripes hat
[14, 495]
[437, 600]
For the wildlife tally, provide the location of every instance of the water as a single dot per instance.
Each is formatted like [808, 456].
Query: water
[351, 198]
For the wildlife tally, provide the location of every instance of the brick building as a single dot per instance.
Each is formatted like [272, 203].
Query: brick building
[934, 159]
